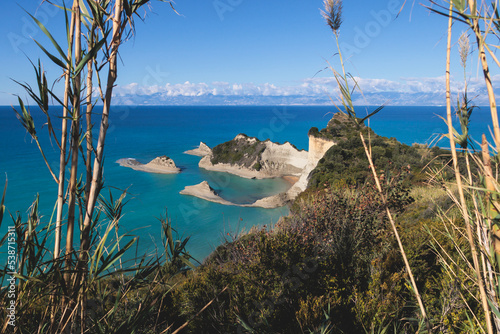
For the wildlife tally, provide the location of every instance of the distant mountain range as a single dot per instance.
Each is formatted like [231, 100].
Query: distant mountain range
[315, 91]
[389, 98]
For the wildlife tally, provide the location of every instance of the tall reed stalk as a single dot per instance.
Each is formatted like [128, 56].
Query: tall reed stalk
[458, 178]
[333, 15]
[477, 191]
[104, 25]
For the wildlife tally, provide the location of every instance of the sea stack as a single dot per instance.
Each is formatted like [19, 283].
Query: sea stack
[159, 165]
[200, 151]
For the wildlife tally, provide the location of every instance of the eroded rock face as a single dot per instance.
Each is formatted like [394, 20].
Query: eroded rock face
[283, 159]
[248, 157]
[204, 148]
[318, 148]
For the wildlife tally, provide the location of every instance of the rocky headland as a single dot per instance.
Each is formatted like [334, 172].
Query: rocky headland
[251, 158]
[159, 165]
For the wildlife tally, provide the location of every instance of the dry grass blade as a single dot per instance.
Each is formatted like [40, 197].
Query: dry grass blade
[458, 178]
[396, 233]
[480, 40]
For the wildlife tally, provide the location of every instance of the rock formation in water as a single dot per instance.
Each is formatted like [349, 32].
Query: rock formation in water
[159, 165]
[200, 151]
[204, 191]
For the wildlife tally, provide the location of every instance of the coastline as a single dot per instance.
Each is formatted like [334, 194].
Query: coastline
[240, 171]
[248, 157]
[275, 160]
[204, 191]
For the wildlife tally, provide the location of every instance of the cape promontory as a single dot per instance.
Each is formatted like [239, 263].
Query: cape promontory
[251, 158]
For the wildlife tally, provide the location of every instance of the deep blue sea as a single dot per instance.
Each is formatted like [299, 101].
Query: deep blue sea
[144, 133]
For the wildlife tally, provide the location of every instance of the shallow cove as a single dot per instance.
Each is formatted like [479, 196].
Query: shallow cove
[240, 190]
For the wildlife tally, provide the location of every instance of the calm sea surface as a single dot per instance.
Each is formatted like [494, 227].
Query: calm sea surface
[147, 132]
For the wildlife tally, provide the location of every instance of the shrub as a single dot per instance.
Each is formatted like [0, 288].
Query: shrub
[238, 151]
[346, 162]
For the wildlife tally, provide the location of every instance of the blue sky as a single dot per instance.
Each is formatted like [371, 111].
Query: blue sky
[256, 51]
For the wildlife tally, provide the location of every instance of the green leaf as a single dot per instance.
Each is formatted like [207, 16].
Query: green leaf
[49, 35]
[30, 92]
[98, 12]
[110, 260]
[85, 11]
[126, 7]
[91, 54]
[462, 17]
[188, 263]
[494, 309]
[26, 119]
[56, 60]
[66, 18]
[245, 325]
[459, 5]
[373, 113]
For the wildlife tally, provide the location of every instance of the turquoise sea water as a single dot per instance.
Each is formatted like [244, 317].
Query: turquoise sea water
[144, 133]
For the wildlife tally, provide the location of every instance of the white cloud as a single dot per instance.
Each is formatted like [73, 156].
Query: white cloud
[405, 91]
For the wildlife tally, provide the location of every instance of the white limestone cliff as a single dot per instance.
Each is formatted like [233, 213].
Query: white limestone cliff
[276, 160]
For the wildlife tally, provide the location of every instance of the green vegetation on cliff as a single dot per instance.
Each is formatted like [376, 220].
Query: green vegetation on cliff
[242, 150]
[346, 161]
